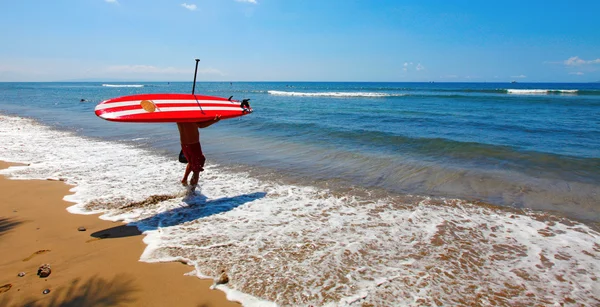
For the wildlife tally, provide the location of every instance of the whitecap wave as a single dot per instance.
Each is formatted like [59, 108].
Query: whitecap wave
[539, 91]
[334, 94]
[123, 85]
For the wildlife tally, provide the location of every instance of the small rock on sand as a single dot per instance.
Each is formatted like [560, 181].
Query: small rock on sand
[56, 179]
[81, 228]
[21, 274]
[44, 270]
[223, 279]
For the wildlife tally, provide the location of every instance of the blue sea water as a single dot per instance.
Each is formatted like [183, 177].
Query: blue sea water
[436, 139]
[437, 153]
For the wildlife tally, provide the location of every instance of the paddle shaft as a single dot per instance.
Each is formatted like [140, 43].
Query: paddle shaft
[195, 72]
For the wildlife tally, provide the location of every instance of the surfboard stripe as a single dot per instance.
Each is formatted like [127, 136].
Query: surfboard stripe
[110, 105]
[114, 115]
[162, 106]
[168, 108]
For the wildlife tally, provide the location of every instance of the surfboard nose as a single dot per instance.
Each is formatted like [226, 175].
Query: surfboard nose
[98, 109]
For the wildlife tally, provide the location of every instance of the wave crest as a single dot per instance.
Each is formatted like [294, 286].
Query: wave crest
[123, 85]
[334, 94]
[539, 91]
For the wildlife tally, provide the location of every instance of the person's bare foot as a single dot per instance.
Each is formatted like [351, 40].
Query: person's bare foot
[184, 182]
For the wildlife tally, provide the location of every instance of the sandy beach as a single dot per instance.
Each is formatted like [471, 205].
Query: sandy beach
[86, 270]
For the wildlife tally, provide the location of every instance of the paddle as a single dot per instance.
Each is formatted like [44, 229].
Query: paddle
[182, 158]
[195, 72]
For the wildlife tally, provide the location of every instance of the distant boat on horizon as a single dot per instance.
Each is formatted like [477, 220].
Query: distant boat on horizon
[513, 81]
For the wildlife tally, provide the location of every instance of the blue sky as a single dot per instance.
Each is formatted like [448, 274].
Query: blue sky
[292, 40]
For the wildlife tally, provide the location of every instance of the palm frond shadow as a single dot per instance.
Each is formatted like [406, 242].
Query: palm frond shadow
[96, 291]
[6, 224]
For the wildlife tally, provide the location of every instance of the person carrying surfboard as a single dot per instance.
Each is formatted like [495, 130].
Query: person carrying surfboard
[190, 144]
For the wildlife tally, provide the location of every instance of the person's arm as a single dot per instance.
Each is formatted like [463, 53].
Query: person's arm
[208, 122]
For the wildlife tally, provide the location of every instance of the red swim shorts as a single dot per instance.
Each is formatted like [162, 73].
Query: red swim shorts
[193, 153]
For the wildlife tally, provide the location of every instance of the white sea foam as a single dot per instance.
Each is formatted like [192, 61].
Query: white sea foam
[539, 91]
[334, 94]
[298, 246]
[123, 85]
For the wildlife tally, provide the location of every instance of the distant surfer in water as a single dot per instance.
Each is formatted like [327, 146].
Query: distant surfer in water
[190, 144]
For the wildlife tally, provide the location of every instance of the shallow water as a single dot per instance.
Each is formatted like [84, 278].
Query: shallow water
[344, 199]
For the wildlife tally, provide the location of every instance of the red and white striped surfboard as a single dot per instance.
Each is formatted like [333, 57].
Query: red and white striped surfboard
[156, 108]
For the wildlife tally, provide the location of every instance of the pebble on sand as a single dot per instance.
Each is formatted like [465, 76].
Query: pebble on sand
[223, 279]
[44, 270]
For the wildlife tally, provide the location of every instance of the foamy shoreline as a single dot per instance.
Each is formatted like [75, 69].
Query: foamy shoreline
[85, 268]
[301, 245]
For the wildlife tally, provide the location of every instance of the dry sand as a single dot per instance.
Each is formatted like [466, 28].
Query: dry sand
[86, 271]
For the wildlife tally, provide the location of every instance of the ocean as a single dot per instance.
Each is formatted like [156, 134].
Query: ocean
[342, 194]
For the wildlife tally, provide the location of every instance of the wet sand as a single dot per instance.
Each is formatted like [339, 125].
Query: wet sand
[36, 229]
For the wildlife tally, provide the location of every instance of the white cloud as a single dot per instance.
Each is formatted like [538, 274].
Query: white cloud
[247, 1]
[420, 67]
[576, 73]
[577, 61]
[519, 77]
[574, 61]
[112, 1]
[191, 7]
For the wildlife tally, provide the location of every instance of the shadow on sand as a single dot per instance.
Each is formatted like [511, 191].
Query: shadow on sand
[6, 224]
[197, 207]
[95, 291]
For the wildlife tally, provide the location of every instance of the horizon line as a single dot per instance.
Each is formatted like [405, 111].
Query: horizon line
[241, 81]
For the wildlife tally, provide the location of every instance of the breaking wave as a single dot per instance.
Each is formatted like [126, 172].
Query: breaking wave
[539, 91]
[123, 85]
[334, 94]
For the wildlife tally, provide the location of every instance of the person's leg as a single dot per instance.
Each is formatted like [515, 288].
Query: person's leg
[196, 159]
[188, 170]
[195, 177]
